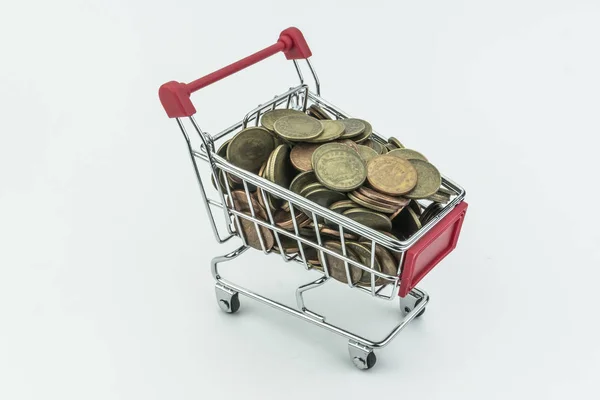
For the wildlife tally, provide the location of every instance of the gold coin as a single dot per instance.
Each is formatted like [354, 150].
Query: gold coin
[302, 180]
[250, 148]
[354, 127]
[324, 197]
[407, 154]
[388, 263]
[395, 142]
[326, 147]
[340, 169]
[301, 156]
[439, 197]
[415, 206]
[445, 191]
[318, 112]
[284, 220]
[391, 175]
[268, 119]
[370, 204]
[429, 180]
[369, 218]
[365, 135]
[366, 152]
[375, 145]
[348, 142]
[222, 152]
[397, 254]
[298, 128]
[430, 212]
[364, 254]
[336, 266]
[406, 223]
[343, 205]
[331, 131]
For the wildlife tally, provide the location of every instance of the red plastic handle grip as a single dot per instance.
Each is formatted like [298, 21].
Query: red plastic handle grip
[431, 248]
[175, 96]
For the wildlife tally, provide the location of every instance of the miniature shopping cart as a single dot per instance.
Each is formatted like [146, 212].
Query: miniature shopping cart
[417, 255]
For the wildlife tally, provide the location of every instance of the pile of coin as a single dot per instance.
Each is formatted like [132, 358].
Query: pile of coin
[341, 166]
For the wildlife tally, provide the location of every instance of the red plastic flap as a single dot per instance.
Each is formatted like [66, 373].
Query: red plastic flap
[428, 251]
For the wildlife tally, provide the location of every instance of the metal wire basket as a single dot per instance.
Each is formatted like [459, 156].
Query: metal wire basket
[416, 256]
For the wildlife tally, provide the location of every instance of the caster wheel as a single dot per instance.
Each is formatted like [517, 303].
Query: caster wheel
[369, 363]
[230, 305]
[407, 310]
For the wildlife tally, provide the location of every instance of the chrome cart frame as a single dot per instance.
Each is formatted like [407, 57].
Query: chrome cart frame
[417, 255]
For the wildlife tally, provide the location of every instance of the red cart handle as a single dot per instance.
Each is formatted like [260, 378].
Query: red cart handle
[175, 96]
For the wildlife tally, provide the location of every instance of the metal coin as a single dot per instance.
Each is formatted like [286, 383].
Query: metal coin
[348, 142]
[301, 180]
[391, 175]
[389, 147]
[388, 263]
[370, 204]
[327, 147]
[406, 223]
[284, 220]
[340, 169]
[336, 266]
[430, 212]
[341, 206]
[371, 219]
[318, 112]
[222, 152]
[331, 131]
[310, 187]
[446, 191]
[325, 197]
[251, 234]
[248, 229]
[398, 201]
[335, 233]
[397, 254]
[364, 254]
[301, 156]
[395, 142]
[298, 128]
[366, 152]
[354, 127]
[407, 154]
[250, 148]
[375, 145]
[365, 135]
[415, 206]
[439, 197]
[429, 180]
[268, 119]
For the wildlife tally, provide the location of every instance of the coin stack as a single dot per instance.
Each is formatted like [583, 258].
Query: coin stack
[339, 165]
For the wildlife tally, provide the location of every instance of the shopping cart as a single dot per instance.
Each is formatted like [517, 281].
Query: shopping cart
[417, 255]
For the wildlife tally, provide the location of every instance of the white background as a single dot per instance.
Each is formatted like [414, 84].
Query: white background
[105, 287]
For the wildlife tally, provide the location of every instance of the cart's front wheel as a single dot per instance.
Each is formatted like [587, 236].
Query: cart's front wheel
[363, 357]
[228, 300]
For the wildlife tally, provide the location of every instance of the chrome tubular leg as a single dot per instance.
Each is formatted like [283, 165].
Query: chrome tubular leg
[227, 257]
[414, 303]
[300, 298]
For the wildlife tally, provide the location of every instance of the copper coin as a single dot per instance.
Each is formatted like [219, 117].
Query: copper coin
[399, 201]
[364, 201]
[391, 175]
[397, 254]
[336, 266]
[301, 156]
[318, 112]
[348, 142]
[388, 263]
[335, 233]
